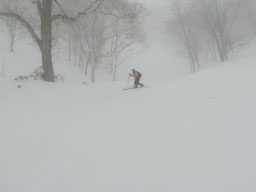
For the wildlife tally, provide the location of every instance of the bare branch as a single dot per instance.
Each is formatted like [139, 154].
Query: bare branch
[88, 10]
[61, 9]
[25, 23]
[111, 14]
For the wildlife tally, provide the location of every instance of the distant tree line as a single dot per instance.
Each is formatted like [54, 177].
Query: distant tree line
[210, 30]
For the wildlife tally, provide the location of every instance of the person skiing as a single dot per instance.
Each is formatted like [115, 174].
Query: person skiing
[137, 75]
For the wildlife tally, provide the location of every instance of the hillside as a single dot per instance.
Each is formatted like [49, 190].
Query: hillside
[192, 134]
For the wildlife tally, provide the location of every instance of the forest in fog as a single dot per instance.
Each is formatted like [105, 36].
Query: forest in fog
[104, 34]
[90, 33]
[210, 30]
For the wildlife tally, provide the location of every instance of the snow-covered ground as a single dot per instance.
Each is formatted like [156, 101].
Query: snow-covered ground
[194, 134]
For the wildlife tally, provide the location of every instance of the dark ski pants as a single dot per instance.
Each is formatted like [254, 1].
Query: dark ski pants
[137, 82]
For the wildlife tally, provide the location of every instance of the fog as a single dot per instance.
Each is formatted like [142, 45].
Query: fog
[159, 61]
[191, 128]
[163, 39]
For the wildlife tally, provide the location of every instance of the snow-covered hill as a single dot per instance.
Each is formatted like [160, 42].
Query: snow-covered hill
[194, 134]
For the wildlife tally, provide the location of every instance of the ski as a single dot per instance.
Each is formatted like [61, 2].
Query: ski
[129, 88]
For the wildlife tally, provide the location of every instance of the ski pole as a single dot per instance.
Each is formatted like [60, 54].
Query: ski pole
[128, 80]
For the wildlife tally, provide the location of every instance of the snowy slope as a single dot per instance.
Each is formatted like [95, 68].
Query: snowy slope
[196, 134]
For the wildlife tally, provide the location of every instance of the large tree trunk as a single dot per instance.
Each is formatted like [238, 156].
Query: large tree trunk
[46, 34]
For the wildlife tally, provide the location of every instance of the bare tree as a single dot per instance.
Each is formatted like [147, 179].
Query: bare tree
[212, 29]
[106, 35]
[12, 28]
[219, 19]
[47, 17]
[11, 24]
[126, 33]
[183, 27]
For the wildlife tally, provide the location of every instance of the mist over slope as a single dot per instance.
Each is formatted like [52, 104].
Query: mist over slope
[192, 134]
[159, 61]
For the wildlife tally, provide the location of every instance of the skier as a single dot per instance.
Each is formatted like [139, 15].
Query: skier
[137, 75]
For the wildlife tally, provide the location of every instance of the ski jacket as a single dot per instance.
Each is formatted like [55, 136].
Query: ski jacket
[136, 74]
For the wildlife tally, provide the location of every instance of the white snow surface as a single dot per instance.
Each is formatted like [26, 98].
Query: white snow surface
[194, 134]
